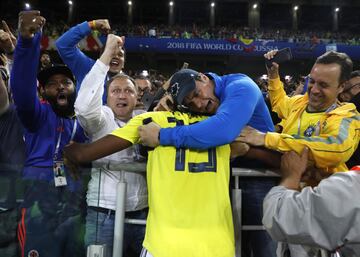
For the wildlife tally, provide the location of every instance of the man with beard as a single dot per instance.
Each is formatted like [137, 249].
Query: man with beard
[77, 61]
[50, 211]
[45, 61]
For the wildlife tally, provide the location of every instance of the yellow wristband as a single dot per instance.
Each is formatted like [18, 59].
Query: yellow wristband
[92, 24]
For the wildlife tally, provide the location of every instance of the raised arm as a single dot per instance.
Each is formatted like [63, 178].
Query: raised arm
[4, 98]
[23, 75]
[7, 40]
[78, 62]
[88, 105]
[280, 102]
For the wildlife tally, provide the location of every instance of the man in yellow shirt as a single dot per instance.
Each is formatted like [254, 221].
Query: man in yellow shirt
[189, 206]
[316, 120]
[329, 128]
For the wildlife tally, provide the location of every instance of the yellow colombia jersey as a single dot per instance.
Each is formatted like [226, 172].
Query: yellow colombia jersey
[189, 206]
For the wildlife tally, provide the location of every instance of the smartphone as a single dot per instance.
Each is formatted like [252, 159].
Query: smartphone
[281, 56]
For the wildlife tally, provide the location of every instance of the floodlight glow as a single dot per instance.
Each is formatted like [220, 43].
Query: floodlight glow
[70, 2]
[171, 3]
[212, 4]
[27, 5]
[254, 6]
[144, 73]
[129, 3]
[264, 77]
[296, 8]
[337, 9]
[288, 77]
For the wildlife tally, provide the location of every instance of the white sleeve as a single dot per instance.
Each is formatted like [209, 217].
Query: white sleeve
[324, 216]
[88, 104]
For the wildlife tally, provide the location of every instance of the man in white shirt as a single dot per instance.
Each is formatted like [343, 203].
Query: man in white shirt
[325, 217]
[99, 120]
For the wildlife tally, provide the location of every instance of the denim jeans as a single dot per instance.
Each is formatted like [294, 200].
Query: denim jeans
[133, 234]
[255, 243]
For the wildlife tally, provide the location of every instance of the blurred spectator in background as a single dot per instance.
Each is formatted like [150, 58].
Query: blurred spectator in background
[152, 32]
[7, 46]
[50, 223]
[289, 84]
[300, 86]
[143, 84]
[12, 158]
[45, 61]
[351, 93]
[7, 39]
[262, 82]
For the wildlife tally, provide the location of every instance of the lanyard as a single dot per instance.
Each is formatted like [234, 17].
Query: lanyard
[317, 127]
[60, 134]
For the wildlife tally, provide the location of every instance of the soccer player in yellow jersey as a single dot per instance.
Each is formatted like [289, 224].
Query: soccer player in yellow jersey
[189, 206]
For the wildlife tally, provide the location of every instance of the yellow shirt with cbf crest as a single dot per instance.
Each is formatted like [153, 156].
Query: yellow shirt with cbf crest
[332, 136]
[189, 205]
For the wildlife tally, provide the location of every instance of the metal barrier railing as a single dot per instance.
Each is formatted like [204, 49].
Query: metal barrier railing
[141, 167]
[237, 201]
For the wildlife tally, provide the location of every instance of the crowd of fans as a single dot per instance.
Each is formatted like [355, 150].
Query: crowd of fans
[232, 33]
[238, 33]
[85, 100]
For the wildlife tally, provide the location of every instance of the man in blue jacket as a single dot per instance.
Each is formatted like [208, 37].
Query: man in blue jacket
[50, 211]
[77, 61]
[233, 101]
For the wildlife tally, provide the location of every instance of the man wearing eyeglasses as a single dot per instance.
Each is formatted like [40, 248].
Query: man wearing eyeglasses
[143, 84]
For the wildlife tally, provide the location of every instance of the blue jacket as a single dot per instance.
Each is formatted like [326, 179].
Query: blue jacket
[241, 104]
[42, 125]
[79, 63]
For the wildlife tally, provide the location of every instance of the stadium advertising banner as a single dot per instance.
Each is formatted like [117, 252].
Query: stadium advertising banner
[243, 47]
[230, 47]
